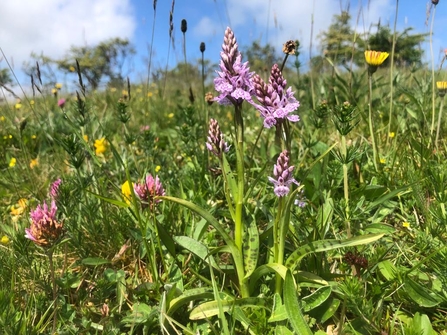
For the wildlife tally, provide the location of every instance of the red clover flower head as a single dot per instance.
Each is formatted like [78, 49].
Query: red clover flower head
[45, 230]
[234, 78]
[216, 143]
[275, 102]
[283, 177]
[147, 190]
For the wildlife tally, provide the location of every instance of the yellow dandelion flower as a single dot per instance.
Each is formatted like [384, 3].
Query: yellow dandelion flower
[54, 90]
[10, 136]
[31, 102]
[58, 86]
[442, 88]
[18, 105]
[2, 118]
[149, 94]
[100, 146]
[375, 58]
[382, 161]
[406, 224]
[112, 89]
[34, 163]
[33, 137]
[391, 134]
[170, 115]
[85, 137]
[124, 93]
[12, 162]
[71, 68]
[126, 191]
[4, 240]
[157, 168]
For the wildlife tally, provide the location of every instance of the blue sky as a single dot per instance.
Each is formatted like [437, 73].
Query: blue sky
[52, 26]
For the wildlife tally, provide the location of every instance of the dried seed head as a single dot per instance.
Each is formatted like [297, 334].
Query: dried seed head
[289, 47]
[184, 26]
[209, 98]
[435, 2]
[202, 47]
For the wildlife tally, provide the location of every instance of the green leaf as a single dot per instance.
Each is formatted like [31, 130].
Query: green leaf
[202, 293]
[421, 325]
[251, 249]
[166, 238]
[211, 308]
[316, 298]
[326, 310]
[293, 308]
[264, 270]
[325, 245]
[387, 270]
[94, 261]
[420, 294]
[279, 310]
[197, 248]
[282, 330]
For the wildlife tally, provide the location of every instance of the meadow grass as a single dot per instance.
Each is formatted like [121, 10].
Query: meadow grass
[363, 252]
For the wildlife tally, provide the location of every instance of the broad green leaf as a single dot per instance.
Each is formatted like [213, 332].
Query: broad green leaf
[326, 245]
[304, 276]
[421, 325]
[282, 330]
[316, 298]
[197, 248]
[94, 261]
[326, 310]
[251, 249]
[387, 270]
[379, 228]
[201, 293]
[279, 310]
[420, 294]
[211, 308]
[293, 308]
[264, 270]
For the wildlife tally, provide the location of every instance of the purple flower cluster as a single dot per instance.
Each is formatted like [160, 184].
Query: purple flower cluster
[275, 102]
[147, 190]
[234, 82]
[216, 143]
[283, 176]
[54, 189]
[44, 229]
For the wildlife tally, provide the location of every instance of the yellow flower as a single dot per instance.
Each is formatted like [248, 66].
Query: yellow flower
[54, 90]
[124, 93]
[18, 105]
[34, 163]
[139, 90]
[442, 88]
[19, 208]
[2, 118]
[33, 137]
[126, 191]
[391, 134]
[157, 168]
[58, 86]
[406, 224]
[100, 146]
[12, 162]
[170, 115]
[112, 89]
[375, 58]
[85, 137]
[4, 240]
[31, 102]
[382, 161]
[149, 94]
[71, 68]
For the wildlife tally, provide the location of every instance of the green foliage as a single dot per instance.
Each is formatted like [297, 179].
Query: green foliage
[366, 255]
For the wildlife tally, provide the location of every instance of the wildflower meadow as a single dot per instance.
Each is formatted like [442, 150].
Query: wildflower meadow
[244, 199]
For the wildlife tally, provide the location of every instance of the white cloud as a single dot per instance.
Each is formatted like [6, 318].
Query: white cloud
[295, 19]
[52, 26]
[205, 28]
